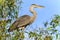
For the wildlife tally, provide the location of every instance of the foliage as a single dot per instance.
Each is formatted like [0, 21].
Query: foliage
[49, 30]
[8, 12]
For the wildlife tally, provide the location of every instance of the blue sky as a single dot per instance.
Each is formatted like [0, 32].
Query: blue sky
[44, 14]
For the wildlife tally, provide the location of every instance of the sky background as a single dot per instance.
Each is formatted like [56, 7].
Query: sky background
[44, 14]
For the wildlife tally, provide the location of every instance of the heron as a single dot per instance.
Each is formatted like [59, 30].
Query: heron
[25, 20]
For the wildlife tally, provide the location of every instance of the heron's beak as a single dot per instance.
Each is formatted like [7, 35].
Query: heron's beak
[40, 6]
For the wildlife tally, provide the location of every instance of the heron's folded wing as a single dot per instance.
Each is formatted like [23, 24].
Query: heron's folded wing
[24, 20]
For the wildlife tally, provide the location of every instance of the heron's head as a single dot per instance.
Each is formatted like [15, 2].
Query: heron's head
[37, 6]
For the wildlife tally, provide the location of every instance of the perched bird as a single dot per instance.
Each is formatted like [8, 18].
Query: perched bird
[25, 20]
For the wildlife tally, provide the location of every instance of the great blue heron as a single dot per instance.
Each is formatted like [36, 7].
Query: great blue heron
[25, 20]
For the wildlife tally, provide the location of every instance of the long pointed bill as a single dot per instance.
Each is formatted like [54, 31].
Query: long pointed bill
[40, 6]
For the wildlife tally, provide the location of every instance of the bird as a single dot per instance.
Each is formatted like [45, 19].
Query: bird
[25, 20]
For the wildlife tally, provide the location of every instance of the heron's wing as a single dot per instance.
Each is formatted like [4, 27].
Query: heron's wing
[24, 20]
[14, 25]
[21, 22]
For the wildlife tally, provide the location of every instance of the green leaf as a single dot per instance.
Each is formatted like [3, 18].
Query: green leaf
[32, 34]
[49, 28]
[56, 36]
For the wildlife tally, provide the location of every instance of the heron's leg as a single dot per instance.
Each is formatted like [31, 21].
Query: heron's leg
[21, 28]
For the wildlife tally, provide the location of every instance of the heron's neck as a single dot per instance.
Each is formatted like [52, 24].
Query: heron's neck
[33, 12]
